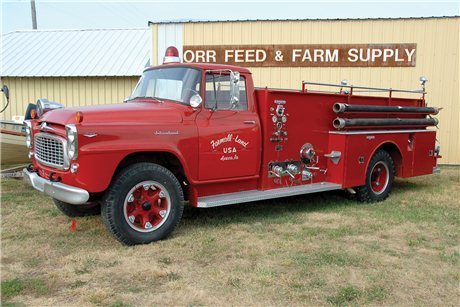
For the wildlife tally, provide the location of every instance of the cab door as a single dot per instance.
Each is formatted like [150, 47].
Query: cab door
[229, 138]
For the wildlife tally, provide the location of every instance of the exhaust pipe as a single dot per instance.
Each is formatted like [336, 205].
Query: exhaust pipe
[340, 123]
[344, 108]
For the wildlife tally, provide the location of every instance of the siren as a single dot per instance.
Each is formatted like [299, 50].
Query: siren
[171, 55]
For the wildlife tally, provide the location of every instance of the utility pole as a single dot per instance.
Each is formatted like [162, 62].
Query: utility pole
[34, 14]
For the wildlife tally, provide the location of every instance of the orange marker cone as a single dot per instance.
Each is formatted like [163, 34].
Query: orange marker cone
[73, 227]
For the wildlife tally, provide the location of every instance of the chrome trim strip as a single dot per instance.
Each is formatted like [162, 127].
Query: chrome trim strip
[64, 151]
[256, 195]
[380, 131]
[57, 190]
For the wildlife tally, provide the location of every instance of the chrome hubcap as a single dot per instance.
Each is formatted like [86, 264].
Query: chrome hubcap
[380, 177]
[147, 206]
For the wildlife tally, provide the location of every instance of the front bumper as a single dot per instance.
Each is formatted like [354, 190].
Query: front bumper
[57, 190]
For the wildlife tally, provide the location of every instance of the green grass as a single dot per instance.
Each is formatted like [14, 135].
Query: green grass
[326, 257]
[345, 296]
[350, 295]
[16, 286]
[319, 249]
[120, 304]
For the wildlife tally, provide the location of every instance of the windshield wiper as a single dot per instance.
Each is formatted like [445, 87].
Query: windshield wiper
[157, 99]
[144, 97]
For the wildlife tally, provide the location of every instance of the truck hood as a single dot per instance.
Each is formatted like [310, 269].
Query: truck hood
[139, 112]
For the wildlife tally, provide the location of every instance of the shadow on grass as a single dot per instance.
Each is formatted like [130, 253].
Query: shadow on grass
[404, 185]
[275, 211]
[287, 209]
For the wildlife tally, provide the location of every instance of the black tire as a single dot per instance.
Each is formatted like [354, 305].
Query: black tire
[77, 210]
[142, 178]
[379, 178]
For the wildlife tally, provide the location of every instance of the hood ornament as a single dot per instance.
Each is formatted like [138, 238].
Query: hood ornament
[44, 126]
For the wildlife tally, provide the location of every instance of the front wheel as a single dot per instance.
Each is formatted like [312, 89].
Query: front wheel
[379, 178]
[143, 204]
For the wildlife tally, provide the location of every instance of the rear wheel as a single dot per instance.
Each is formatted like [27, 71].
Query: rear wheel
[379, 178]
[144, 204]
[77, 210]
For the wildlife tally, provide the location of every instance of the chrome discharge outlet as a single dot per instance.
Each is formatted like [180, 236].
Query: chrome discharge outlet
[292, 170]
[277, 171]
[307, 153]
[306, 175]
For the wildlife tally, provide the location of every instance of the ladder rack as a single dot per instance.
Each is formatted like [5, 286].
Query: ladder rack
[353, 87]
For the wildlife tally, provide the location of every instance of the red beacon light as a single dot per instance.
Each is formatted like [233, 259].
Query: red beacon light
[171, 55]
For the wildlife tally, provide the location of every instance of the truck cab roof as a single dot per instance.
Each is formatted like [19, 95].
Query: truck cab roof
[203, 66]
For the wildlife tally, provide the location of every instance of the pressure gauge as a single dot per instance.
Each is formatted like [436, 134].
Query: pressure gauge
[284, 118]
[274, 118]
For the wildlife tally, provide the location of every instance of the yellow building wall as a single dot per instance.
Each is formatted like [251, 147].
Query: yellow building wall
[438, 56]
[69, 91]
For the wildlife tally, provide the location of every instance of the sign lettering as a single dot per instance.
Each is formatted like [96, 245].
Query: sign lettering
[229, 151]
[312, 55]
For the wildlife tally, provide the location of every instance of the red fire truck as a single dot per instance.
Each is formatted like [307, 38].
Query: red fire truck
[202, 134]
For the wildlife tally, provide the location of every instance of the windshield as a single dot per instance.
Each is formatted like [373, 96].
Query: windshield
[175, 83]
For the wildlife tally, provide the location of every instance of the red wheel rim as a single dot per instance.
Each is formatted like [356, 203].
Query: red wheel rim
[379, 177]
[147, 206]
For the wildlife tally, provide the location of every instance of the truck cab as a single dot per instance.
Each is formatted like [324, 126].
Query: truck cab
[202, 134]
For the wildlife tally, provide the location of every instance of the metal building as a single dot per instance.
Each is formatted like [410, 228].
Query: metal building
[431, 45]
[73, 67]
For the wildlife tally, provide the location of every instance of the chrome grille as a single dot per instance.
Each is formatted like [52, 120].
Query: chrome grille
[50, 150]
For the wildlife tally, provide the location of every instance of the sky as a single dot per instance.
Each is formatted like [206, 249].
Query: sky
[86, 14]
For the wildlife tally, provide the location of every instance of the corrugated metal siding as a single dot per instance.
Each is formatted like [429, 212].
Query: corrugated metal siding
[68, 91]
[168, 35]
[36, 53]
[437, 58]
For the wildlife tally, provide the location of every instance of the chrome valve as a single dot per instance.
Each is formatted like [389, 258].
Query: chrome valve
[292, 170]
[277, 171]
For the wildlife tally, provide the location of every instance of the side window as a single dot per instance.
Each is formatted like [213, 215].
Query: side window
[217, 91]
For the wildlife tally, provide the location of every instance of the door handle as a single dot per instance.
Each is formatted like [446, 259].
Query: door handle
[250, 122]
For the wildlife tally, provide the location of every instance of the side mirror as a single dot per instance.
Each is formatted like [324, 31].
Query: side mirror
[195, 101]
[44, 105]
[6, 92]
[234, 89]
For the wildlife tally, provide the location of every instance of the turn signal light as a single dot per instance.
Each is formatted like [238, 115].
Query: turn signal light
[78, 117]
[33, 114]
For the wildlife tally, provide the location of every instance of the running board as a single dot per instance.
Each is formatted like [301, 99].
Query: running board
[256, 195]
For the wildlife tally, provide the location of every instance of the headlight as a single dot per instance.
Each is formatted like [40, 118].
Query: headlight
[29, 138]
[72, 141]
